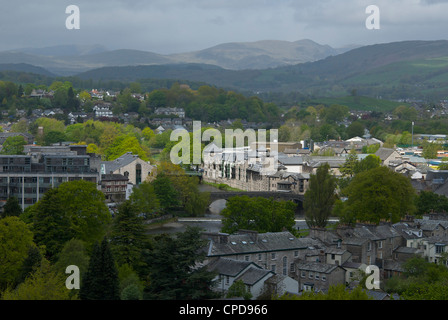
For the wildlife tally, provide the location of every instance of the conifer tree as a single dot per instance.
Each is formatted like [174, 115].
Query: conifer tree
[101, 280]
[320, 197]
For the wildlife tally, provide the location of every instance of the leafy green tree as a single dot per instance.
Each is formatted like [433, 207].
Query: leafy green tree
[13, 145]
[128, 236]
[52, 137]
[259, 214]
[131, 287]
[430, 150]
[377, 194]
[370, 162]
[75, 209]
[320, 197]
[11, 208]
[355, 129]
[167, 195]
[335, 292]
[42, 284]
[16, 239]
[145, 199]
[238, 289]
[123, 144]
[51, 228]
[428, 201]
[75, 253]
[174, 272]
[101, 280]
[31, 263]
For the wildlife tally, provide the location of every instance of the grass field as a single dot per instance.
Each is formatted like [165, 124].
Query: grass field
[360, 103]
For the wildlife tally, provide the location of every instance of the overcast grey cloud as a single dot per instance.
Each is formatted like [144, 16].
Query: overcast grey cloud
[172, 26]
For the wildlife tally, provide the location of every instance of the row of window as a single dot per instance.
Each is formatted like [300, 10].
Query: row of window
[311, 275]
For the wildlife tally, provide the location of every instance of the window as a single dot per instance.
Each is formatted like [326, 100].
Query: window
[259, 257]
[273, 257]
[324, 278]
[227, 280]
[380, 244]
[292, 268]
[246, 258]
[440, 248]
[369, 246]
[311, 275]
[273, 268]
[317, 276]
[285, 266]
[303, 274]
[296, 253]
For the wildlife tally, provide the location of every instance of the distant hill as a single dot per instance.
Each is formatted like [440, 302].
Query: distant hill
[392, 70]
[26, 68]
[258, 55]
[64, 50]
[71, 59]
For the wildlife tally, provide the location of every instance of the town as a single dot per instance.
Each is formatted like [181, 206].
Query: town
[123, 158]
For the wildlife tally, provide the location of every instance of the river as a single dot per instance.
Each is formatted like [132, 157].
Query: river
[211, 222]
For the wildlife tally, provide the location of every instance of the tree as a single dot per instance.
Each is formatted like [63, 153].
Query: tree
[16, 239]
[349, 166]
[32, 261]
[238, 289]
[370, 162]
[52, 137]
[428, 201]
[11, 208]
[145, 199]
[377, 194]
[355, 129]
[166, 193]
[259, 214]
[320, 197]
[75, 209]
[335, 292]
[75, 253]
[131, 287]
[101, 280]
[174, 272]
[43, 284]
[13, 145]
[128, 238]
[430, 150]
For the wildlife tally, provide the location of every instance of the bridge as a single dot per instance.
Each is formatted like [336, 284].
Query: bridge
[224, 195]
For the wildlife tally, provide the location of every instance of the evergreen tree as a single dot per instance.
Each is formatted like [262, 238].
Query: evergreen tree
[174, 272]
[101, 279]
[31, 263]
[128, 237]
[11, 208]
[320, 197]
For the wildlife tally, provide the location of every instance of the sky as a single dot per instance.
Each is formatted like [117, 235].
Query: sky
[175, 26]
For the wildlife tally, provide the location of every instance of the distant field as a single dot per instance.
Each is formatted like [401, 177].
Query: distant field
[360, 103]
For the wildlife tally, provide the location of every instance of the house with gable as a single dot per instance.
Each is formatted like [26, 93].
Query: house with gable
[387, 155]
[130, 166]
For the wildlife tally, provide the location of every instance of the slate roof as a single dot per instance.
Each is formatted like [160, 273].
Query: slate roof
[316, 267]
[253, 275]
[120, 162]
[384, 153]
[228, 267]
[264, 242]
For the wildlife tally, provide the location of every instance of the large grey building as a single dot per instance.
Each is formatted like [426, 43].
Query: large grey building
[28, 177]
